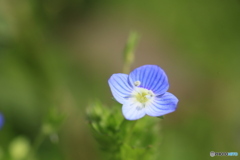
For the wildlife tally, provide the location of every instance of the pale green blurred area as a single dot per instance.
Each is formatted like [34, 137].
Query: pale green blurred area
[61, 54]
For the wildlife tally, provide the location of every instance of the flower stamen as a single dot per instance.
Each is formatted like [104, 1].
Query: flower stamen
[142, 96]
[137, 83]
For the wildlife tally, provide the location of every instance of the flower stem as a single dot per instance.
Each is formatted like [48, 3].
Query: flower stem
[126, 129]
[36, 144]
[128, 53]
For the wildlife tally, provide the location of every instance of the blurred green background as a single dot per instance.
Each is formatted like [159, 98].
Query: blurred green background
[60, 53]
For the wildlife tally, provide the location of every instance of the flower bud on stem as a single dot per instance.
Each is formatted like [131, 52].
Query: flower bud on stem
[128, 53]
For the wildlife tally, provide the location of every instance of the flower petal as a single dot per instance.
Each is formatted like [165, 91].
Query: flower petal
[162, 105]
[1, 120]
[119, 86]
[133, 110]
[151, 77]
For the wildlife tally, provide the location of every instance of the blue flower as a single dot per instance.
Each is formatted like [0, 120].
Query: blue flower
[1, 120]
[143, 92]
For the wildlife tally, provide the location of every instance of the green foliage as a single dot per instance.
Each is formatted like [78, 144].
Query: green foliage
[120, 139]
[53, 121]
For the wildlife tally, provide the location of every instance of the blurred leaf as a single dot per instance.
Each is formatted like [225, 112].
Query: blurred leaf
[19, 148]
[53, 121]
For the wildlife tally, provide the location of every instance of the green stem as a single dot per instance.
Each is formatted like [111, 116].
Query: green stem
[36, 144]
[126, 129]
[126, 68]
[128, 54]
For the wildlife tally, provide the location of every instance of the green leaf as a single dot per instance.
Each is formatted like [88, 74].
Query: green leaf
[161, 117]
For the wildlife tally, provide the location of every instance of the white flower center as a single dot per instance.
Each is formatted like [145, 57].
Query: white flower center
[142, 95]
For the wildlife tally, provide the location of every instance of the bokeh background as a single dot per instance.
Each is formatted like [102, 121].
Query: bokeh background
[60, 53]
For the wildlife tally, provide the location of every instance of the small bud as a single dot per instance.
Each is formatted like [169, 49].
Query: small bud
[128, 54]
